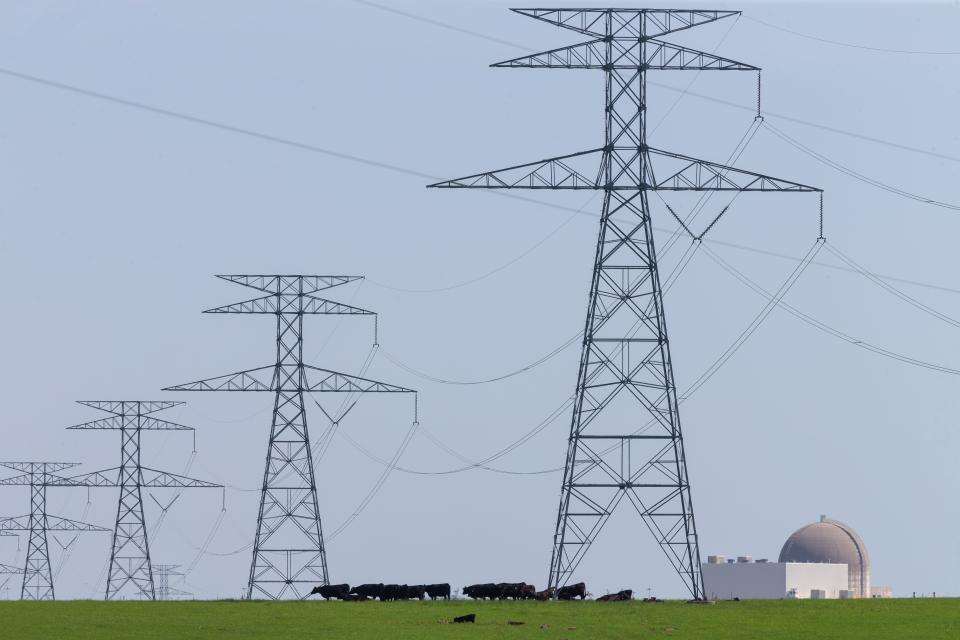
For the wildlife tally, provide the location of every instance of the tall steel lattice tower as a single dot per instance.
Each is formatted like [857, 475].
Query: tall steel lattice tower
[130, 570]
[625, 437]
[37, 575]
[289, 557]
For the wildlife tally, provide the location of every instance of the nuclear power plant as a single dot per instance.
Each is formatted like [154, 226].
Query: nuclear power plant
[822, 560]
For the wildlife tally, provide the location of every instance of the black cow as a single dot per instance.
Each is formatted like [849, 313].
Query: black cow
[393, 591]
[513, 590]
[417, 591]
[355, 597]
[619, 596]
[546, 594]
[368, 590]
[484, 591]
[328, 591]
[436, 591]
[470, 617]
[572, 591]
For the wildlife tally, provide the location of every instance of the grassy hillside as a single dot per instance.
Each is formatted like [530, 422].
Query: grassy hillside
[235, 620]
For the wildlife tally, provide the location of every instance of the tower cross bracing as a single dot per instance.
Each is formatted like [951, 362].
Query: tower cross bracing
[37, 574]
[130, 570]
[626, 442]
[289, 555]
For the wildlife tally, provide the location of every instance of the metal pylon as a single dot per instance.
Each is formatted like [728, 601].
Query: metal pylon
[163, 574]
[37, 576]
[289, 555]
[625, 436]
[131, 573]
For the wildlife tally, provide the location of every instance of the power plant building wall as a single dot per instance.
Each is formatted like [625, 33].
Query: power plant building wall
[773, 580]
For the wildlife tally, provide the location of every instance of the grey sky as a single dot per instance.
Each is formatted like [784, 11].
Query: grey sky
[115, 219]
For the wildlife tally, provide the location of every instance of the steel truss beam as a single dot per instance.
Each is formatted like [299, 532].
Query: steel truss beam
[37, 576]
[625, 437]
[289, 555]
[131, 572]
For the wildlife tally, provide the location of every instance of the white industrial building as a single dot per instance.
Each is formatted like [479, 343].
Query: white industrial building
[825, 559]
[747, 579]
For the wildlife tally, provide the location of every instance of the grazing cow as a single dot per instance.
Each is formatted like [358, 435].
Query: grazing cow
[368, 590]
[528, 592]
[510, 590]
[393, 592]
[482, 591]
[572, 591]
[417, 591]
[436, 591]
[329, 591]
[470, 617]
[546, 594]
[619, 596]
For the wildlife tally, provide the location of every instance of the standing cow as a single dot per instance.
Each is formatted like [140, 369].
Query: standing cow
[328, 591]
[438, 591]
[572, 591]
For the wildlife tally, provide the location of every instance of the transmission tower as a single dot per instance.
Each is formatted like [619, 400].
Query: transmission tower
[130, 570]
[37, 576]
[164, 590]
[625, 437]
[289, 556]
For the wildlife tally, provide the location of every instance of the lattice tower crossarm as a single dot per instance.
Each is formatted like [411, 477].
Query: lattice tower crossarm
[37, 575]
[131, 572]
[289, 555]
[625, 435]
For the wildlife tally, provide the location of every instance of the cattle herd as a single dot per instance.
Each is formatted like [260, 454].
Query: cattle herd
[486, 591]
[383, 592]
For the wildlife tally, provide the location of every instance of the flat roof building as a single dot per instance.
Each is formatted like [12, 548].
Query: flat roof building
[772, 580]
[824, 559]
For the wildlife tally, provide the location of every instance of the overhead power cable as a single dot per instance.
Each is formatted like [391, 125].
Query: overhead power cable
[851, 45]
[685, 92]
[856, 175]
[510, 374]
[693, 388]
[378, 484]
[390, 167]
[481, 464]
[877, 280]
[526, 252]
[822, 326]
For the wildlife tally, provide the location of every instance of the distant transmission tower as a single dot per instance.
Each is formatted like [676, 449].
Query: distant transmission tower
[37, 576]
[130, 570]
[164, 590]
[625, 437]
[289, 556]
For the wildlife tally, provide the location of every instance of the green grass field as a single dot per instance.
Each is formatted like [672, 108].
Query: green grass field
[236, 620]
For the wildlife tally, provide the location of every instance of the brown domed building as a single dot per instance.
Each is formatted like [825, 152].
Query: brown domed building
[831, 541]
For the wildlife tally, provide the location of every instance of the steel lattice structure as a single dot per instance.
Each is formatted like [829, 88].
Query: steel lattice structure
[625, 436]
[131, 572]
[37, 576]
[289, 556]
[163, 574]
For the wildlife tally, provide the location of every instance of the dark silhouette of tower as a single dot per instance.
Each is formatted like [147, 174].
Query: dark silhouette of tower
[625, 438]
[289, 556]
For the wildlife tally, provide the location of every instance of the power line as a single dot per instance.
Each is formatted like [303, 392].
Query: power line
[824, 327]
[686, 92]
[851, 45]
[856, 175]
[891, 289]
[390, 167]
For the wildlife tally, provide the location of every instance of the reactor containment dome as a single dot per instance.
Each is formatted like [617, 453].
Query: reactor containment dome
[831, 541]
